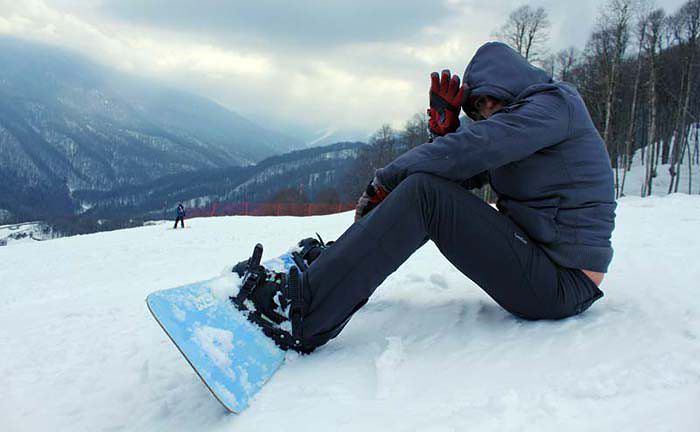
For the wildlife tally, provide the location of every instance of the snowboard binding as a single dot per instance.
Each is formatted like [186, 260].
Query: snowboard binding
[273, 301]
[308, 250]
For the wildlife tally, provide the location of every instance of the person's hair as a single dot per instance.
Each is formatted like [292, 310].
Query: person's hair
[471, 108]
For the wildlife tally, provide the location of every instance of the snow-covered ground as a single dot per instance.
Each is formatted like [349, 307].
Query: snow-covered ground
[24, 232]
[636, 175]
[80, 352]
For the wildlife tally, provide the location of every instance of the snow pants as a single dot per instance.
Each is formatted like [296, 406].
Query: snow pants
[488, 247]
[180, 219]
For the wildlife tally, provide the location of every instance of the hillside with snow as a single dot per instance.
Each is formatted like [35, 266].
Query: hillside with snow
[429, 352]
[24, 232]
[636, 175]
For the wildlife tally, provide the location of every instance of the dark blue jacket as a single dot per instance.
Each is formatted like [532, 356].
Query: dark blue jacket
[541, 153]
[180, 211]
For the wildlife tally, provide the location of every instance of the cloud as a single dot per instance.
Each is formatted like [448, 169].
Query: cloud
[311, 64]
[313, 24]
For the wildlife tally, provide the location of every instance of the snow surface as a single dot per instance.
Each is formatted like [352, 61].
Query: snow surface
[24, 232]
[636, 175]
[80, 352]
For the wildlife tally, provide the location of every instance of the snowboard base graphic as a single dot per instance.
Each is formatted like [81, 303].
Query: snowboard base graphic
[231, 355]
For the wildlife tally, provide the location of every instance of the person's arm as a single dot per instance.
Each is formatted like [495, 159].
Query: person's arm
[512, 134]
[477, 181]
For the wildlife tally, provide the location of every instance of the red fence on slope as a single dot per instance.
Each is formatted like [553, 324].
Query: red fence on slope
[267, 209]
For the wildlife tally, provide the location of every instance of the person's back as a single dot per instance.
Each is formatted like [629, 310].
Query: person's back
[562, 195]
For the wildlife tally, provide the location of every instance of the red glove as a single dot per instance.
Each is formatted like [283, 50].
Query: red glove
[445, 103]
[373, 195]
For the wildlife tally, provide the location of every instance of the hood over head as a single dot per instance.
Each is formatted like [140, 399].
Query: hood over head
[497, 70]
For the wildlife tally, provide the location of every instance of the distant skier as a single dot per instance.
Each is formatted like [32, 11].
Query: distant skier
[541, 255]
[180, 216]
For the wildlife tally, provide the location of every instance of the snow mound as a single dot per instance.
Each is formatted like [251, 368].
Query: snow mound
[430, 351]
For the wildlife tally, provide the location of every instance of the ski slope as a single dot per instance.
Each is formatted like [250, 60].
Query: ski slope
[430, 352]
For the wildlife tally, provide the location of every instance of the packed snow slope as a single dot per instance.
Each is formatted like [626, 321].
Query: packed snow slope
[430, 351]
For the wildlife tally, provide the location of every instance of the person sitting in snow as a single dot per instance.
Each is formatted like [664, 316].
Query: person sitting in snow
[180, 215]
[541, 255]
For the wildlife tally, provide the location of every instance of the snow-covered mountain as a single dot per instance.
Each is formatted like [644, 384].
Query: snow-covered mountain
[429, 352]
[67, 124]
[311, 170]
[331, 135]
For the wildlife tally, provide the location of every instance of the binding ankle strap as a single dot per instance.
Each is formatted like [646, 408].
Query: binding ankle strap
[252, 277]
[297, 307]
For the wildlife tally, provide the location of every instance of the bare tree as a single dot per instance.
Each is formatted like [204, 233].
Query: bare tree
[652, 45]
[328, 195]
[565, 62]
[416, 131]
[686, 32]
[382, 149]
[614, 20]
[549, 65]
[526, 30]
[290, 195]
[641, 27]
[384, 143]
[561, 64]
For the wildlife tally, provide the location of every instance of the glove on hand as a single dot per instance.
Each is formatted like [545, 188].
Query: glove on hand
[373, 195]
[445, 103]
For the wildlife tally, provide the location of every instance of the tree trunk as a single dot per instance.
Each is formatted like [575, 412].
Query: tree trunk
[609, 102]
[647, 188]
[658, 151]
[630, 131]
[696, 152]
[684, 146]
[690, 173]
[684, 115]
[681, 115]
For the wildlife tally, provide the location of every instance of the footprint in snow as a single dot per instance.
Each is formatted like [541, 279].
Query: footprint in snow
[438, 280]
[387, 365]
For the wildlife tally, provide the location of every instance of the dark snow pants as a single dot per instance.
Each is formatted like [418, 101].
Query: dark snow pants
[488, 247]
[180, 219]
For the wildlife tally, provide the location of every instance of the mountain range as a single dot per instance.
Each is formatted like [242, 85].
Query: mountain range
[70, 127]
[310, 171]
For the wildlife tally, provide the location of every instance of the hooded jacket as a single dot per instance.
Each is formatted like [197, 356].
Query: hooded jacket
[541, 154]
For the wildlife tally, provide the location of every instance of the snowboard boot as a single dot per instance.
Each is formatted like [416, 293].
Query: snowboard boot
[308, 250]
[273, 301]
[305, 253]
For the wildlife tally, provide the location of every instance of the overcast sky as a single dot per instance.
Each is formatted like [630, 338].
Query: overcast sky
[306, 64]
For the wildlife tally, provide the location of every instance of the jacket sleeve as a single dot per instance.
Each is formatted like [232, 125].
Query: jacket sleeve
[513, 133]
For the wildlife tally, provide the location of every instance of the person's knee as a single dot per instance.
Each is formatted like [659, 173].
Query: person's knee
[419, 184]
[422, 179]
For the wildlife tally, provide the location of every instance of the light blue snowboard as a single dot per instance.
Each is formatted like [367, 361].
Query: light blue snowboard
[231, 355]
